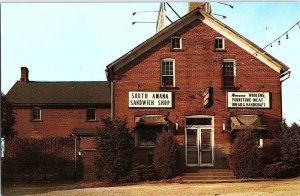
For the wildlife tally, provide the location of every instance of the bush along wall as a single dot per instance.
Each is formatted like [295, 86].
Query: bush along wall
[288, 164]
[39, 159]
[165, 155]
[114, 151]
[246, 159]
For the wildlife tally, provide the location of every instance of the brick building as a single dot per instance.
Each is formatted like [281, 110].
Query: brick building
[60, 109]
[202, 80]
[196, 77]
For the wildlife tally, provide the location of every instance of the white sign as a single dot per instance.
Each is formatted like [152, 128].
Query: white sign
[140, 99]
[248, 100]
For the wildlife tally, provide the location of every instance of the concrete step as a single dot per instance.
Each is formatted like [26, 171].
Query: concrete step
[211, 181]
[209, 174]
[208, 178]
[200, 175]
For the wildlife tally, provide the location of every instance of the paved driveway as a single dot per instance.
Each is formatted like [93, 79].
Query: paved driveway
[280, 187]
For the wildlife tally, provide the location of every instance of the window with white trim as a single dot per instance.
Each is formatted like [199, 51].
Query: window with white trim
[228, 73]
[91, 114]
[176, 43]
[219, 43]
[36, 113]
[168, 72]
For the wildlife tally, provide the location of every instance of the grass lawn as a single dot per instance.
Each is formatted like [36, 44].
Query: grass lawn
[277, 187]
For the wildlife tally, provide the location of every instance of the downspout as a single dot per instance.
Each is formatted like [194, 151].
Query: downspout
[288, 74]
[112, 99]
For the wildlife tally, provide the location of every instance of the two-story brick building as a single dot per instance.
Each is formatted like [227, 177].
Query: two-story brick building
[202, 80]
[61, 109]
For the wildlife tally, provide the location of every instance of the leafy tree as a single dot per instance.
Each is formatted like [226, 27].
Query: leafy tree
[165, 155]
[114, 151]
[7, 118]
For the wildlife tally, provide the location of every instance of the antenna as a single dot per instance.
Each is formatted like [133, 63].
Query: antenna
[224, 17]
[134, 13]
[231, 6]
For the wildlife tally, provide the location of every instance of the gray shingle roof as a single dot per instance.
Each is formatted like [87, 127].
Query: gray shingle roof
[59, 93]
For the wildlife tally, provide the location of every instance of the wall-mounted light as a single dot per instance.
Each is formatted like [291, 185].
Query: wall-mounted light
[223, 125]
[176, 124]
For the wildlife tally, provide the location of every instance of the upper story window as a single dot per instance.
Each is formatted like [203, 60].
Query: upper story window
[219, 43]
[91, 114]
[228, 73]
[176, 43]
[36, 113]
[168, 72]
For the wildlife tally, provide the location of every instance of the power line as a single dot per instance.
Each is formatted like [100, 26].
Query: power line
[280, 37]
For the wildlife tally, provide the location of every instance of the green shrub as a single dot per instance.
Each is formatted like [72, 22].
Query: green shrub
[114, 151]
[141, 173]
[289, 139]
[279, 170]
[39, 159]
[246, 160]
[165, 155]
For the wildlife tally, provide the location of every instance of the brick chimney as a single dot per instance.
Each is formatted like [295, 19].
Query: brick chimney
[24, 74]
[203, 5]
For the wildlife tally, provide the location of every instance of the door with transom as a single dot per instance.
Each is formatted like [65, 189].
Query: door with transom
[199, 141]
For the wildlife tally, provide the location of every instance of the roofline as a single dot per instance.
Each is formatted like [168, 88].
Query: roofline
[56, 105]
[247, 41]
[197, 13]
[163, 31]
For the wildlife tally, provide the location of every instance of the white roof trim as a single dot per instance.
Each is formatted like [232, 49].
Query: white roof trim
[244, 44]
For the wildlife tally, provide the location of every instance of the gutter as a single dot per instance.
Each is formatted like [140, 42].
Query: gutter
[288, 73]
[112, 99]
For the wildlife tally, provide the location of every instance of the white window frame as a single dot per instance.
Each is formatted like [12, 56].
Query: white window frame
[32, 114]
[161, 75]
[199, 127]
[87, 114]
[180, 42]
[223, 43]
[234, 70]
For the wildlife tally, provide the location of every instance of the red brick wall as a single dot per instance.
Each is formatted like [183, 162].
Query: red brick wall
[196, 66]
[56, 122]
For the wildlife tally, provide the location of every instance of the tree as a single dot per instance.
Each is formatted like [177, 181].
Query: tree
[165, 155]
[7, 118]
[114, 151]
[246, 159]
[289, 139]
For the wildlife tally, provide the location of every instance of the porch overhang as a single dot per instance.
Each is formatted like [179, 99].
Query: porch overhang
[152, 120]
[252, 122]
[84, 132]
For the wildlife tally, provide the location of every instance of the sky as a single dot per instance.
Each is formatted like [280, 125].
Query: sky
[76, 41]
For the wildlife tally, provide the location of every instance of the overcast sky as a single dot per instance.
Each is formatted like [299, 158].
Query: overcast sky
[75, 42]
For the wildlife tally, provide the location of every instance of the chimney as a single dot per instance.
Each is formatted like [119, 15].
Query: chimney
[202, 5]
[24, 74]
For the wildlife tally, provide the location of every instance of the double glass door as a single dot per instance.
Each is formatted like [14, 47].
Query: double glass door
[199, 146]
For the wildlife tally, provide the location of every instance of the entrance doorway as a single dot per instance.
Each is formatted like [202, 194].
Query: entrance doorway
[199, 141]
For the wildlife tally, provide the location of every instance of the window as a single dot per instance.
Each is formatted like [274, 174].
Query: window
[176, 43]
[36, 114]
[91, 114]
[228, 73]
[219, 43]
[146, 135]
[167, 72]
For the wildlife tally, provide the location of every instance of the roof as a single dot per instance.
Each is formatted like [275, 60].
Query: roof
[59, 93]
[209, 20]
